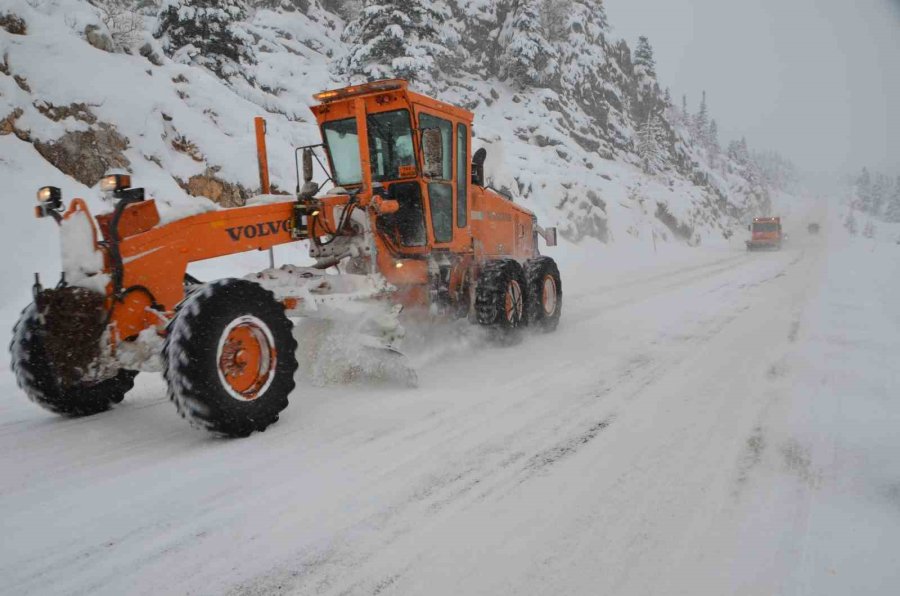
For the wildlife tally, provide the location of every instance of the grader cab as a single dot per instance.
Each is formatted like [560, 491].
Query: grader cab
[407, 222]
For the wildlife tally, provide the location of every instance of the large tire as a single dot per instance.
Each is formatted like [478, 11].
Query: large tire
[543, 301]
[500, 299]
[37, 376]
[229, 358]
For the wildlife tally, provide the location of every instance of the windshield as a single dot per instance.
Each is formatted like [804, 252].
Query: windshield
[343, 146]
[391, 154]
[765, 227]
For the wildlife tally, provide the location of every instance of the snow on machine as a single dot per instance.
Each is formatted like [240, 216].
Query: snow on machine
[409, 221]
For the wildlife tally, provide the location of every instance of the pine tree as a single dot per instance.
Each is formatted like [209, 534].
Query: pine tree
[554, 17]
[879, 193]
[650, 147]
[869, 230]
[864, 191]
[529, 59]
[408, 39]
[713, 140]
[892, 212]
[597, 13]
[643, 58]
[205, 32]
[701, 123]
[850, 223]
[739, 152]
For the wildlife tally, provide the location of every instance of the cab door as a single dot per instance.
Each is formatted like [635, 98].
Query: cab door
[440, 185]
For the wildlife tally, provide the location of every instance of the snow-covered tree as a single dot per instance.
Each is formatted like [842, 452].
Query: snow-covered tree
[739, 152]
[643, 58]
[206, 32]
[864, 190]
[554, 17]
[850, 223]
[869, 230]
[650, 144]
[529, 58]
[701, 123]
[409, 39]
[892, 211]
[712, 139]
[597, 13]
[879, 194]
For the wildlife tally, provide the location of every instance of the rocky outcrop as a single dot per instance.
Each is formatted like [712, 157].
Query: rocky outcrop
[78, 111]
[215, 189]
[8, 123]
[87, 155]
[13, 23]
[97, 38]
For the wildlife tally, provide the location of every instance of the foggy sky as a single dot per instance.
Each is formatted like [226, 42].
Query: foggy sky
[817, 80]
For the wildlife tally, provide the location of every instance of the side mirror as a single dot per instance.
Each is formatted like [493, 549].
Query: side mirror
[307, 165]
[550, 236]
[478, 167]
[748, 227]
[433, 152]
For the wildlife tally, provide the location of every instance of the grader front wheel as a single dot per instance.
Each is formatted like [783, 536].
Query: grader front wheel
[59, 388]
[229, 358]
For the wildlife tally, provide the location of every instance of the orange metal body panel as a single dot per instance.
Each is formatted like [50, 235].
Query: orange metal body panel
[157, 259]
[136, 219]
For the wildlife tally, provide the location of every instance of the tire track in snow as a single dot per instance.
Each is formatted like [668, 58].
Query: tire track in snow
[471, 479]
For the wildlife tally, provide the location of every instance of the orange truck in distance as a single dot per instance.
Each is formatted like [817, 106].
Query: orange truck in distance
[765, 234]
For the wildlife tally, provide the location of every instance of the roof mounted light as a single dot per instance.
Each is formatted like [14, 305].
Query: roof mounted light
[356, 90]
[115, 182]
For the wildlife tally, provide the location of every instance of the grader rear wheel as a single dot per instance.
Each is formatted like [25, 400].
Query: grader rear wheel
[544, 299]
[500, 297]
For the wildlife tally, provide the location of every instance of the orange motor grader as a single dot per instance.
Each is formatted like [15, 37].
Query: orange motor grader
[408, 223]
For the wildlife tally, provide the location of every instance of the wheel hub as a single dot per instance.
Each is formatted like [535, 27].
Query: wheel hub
[246, 358]
[549, 295]
[513, 302]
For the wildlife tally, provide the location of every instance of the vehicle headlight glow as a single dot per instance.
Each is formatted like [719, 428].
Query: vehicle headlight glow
[115, 182]
[49, 194]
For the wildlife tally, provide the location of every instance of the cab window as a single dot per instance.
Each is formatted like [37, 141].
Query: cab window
[462, 181]
[390, 145]
[440, 188]
[427, 121]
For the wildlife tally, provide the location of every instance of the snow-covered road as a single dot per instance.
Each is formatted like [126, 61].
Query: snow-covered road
[674, 436]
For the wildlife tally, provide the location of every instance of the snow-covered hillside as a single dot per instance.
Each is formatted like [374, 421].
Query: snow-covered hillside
[590, 142]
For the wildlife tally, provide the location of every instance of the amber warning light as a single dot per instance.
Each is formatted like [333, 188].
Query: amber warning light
[335, 94]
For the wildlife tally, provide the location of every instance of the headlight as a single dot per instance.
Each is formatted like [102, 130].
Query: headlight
[115, 182]
[49, 194]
